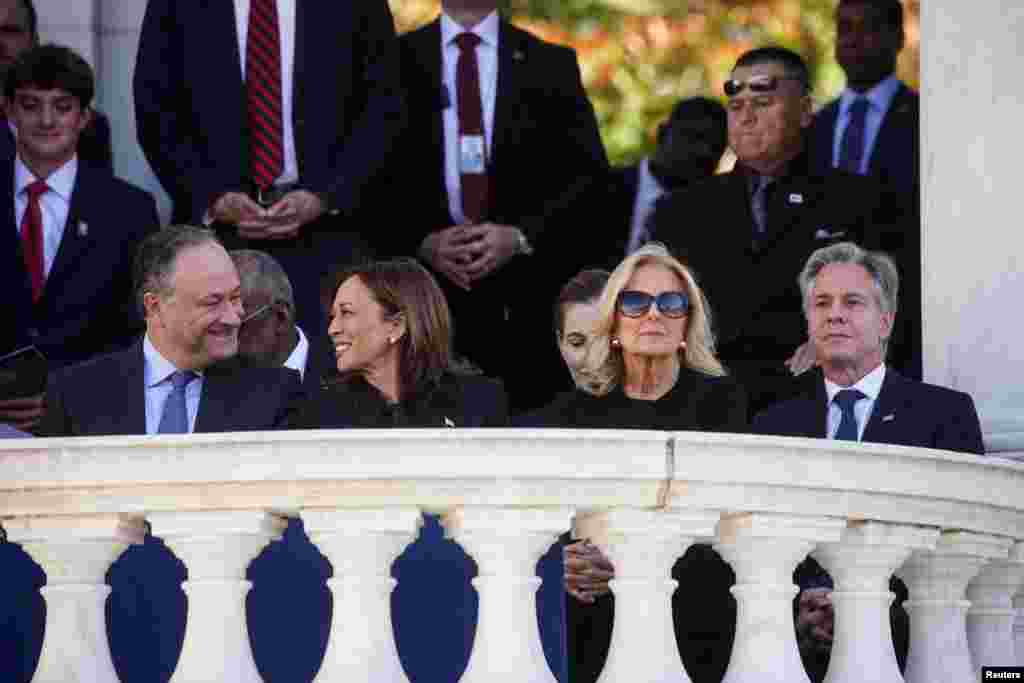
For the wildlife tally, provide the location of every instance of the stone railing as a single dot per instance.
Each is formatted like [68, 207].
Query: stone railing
[952, 526]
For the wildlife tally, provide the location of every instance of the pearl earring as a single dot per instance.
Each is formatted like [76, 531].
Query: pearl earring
[616, 343]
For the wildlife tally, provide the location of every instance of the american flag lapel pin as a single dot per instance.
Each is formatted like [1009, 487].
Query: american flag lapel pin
[889, 418]
[518, 56]
[83, 229]
[448, 422]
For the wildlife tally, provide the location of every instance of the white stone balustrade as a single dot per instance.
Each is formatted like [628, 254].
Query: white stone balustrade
[991, 618]
[505, 494]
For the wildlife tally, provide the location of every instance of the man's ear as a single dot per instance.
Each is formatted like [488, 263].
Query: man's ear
[86, 118]
[150, 304]
[888, 319]
[806, 111]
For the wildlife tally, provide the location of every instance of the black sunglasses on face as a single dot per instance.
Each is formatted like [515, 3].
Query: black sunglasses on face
[757, 84]
[633, 304]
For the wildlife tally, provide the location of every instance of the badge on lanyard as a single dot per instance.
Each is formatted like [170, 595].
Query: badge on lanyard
[472, 158]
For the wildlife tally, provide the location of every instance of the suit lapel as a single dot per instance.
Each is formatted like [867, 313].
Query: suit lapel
[428, 54]
[78, 234]
[894, 129]
[216, 397]
[888, 411]
[16, 265]
[127, 381]
[511, 55]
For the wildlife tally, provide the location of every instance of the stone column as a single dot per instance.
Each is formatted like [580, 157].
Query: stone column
[75, 553]
[763, 550]
[970, 113]
[361, 545]
[506, 543]
[936, 581]
[216, 548]
[643, 545]
[1018, 629]
[860, 565]
[990, 620]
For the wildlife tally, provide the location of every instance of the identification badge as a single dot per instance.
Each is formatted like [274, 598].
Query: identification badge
[471, 154]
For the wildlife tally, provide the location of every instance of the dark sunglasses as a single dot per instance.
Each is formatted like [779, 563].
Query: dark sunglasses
[757, 84]
[633, 304]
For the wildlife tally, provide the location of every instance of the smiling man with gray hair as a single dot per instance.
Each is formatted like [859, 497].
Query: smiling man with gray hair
[850, 299]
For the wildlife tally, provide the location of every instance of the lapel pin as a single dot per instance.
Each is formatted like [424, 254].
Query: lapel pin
[796, 198]
[889, 418]
[448, 422]
[518, 56]
[83, 229]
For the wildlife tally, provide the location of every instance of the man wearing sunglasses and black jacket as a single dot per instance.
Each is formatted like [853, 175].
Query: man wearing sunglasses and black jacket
[747, 231]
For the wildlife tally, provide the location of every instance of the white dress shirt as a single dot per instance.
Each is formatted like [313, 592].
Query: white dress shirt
[879, 99]
[299, 355]
[870, 385]
[286, 28]
[648, 192]
[54, 204]
[487, 61]
[157, 373]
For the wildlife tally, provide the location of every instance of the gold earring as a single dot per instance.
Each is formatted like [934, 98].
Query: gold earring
[682, 344]
[391, 340]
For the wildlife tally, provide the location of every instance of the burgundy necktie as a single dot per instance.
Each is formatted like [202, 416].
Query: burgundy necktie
[471, 123]
[32, 238]
[263, 90]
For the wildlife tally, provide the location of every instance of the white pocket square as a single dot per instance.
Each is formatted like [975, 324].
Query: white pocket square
[824, 234]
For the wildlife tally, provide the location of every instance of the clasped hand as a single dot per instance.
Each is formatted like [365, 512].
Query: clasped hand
[468, 253]
[587, 571]
[280, 221]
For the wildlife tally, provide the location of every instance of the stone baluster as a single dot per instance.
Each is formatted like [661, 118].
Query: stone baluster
[860, 565]
[216, 548]
[506, 543]
[75, 553]
[643, 545]
[1018, 628]
[361, 545]
[763, 550]
[936, 581]
[990, 620]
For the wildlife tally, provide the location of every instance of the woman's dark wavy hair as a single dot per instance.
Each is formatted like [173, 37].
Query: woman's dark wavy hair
[584, 287]
[404, 288]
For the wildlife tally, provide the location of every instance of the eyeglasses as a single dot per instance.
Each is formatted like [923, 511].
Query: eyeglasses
[260, 311]
[758, 84]
[633, 304]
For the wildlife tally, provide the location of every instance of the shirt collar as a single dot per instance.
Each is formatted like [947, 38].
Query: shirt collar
[646, 177]
[487, 29]
[61, 181]
[879, 97]
[157, 368]
[870, 385]
[297, 359]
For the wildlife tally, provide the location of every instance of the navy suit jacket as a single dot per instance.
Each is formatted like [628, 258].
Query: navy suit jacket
[907, 413]
[190, 100]
[88, 305]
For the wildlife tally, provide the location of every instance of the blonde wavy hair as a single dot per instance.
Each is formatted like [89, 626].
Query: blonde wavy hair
[605, 361]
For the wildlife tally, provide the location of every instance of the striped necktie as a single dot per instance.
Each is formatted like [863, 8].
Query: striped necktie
[263, 92]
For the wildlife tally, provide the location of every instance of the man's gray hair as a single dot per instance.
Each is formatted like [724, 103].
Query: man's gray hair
[155, 259]
[878, 265]
[258, 271]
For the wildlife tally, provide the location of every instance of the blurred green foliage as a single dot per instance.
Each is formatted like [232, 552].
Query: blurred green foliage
[639, 57]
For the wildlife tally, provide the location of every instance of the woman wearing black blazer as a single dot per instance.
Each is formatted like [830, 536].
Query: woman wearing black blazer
[391, 332]
[650, 365]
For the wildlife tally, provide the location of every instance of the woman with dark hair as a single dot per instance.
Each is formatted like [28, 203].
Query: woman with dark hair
[575, 313]
[392, 337]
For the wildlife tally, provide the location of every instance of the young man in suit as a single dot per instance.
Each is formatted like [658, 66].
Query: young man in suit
[266, 119]
[689, 146]
[747, 231]
[19, 31]
[873, 128]
[850, 301]
[501, 148]
[72, 229]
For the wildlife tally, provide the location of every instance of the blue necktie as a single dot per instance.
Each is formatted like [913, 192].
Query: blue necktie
[851, 148]
[175, 417]
[846, 399]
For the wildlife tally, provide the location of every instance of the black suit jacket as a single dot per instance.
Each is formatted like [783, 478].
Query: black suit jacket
[191, 109]
[88, 304]
[753, 293]
[236, 397]
[614, 219]
[907, 413]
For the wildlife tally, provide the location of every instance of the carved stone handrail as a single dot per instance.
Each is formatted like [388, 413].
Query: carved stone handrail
[864, 510]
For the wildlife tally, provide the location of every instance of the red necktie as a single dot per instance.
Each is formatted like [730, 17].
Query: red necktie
[32, 238]
[471, 123]
[263, 89]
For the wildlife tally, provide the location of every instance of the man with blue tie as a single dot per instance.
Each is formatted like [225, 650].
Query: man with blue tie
[872, 129]
[850, 301]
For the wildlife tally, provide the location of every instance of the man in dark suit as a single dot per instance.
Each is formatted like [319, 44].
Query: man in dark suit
[690, 144]
[182, 377]
[19, 31]
[747, 231]
[268, 118]
[500, 149]
[873, 128]
[71, 229]
[850, 301]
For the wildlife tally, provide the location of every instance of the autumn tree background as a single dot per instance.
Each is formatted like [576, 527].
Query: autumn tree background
[639, 57]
